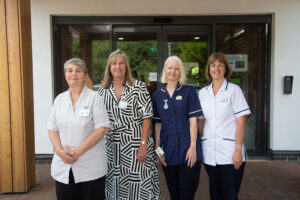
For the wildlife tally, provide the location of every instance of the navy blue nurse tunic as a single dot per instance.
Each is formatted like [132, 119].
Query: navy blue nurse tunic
[174, 113]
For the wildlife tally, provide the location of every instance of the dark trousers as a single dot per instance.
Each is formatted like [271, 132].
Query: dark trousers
[182, 180]
[224, 181]
[89, 190]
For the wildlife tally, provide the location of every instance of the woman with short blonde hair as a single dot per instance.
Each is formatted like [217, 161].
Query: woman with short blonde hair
[182, 77]
[175, 111]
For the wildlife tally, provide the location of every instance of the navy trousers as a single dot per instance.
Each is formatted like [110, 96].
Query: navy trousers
[224, 181]
[182, 180]
[89, 190]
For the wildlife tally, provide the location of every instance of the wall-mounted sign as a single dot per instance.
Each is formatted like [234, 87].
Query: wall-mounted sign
[153, 76]
[238, 62]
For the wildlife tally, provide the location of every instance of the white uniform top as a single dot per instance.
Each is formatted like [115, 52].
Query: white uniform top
[74, 124]
[220, 113]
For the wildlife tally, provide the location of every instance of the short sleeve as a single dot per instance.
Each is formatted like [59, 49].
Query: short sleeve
[155, 117]
[239, 104]
[194, 107]
[100, 117]
[144, 102]
[52, 118]
[202, 115]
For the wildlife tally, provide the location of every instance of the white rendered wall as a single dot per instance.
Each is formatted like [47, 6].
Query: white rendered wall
[285, 122]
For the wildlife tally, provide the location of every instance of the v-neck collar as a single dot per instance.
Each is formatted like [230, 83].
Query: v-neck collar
[222, 88]
[126, 90]
[164, 89]
[82, 94]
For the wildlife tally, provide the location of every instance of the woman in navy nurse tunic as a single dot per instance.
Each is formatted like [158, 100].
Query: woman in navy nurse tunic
[176, 108]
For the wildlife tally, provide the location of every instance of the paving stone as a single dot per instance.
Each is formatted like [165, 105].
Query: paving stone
[263, 180]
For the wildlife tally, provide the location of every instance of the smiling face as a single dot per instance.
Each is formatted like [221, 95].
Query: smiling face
[217, 70]
[74, 75]
[172, 71]
[118, 68]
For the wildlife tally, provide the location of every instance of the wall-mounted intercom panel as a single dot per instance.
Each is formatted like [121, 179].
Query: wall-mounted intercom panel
[288, 84]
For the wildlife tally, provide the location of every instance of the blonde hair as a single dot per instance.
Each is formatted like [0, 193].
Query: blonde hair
[108, 78]
[182, 77]
[222, 59]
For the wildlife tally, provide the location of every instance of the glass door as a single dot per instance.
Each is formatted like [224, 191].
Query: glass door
[149, 46]
[245, 45]
[192, 45]
[89, 42]
[140, 44]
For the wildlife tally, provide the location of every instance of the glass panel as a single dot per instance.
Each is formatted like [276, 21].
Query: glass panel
[141, 48]
[90, 43]
[245, 47]
[100, 52]
[191, 48]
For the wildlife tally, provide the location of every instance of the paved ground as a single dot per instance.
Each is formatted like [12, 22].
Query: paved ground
[263, 180]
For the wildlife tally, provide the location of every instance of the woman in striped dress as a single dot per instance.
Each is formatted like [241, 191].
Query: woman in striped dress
[132, 172]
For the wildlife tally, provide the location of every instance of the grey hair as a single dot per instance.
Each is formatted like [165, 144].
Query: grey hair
[182, 78]
[78, 62]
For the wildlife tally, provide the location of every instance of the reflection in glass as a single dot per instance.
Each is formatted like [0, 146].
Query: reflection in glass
[141, 49]
[100, 52]
[88, 42]
[191, 48]
[245, 47]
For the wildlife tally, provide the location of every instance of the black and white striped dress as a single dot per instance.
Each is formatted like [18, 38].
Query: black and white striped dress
[126, 177]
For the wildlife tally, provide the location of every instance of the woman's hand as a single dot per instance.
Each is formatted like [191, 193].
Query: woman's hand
[66, 156]
[142, 153]
[75, 151]
[237, 158]
[191, 155]
[162, 160]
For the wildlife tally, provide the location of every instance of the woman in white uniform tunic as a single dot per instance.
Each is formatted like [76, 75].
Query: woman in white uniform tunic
[224, 117]
[77, 124]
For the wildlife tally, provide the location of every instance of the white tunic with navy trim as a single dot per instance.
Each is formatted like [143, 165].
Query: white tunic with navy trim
[220, 113]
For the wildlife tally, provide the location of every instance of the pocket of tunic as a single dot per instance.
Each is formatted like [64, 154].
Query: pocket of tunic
[228, 139]
[228, 145]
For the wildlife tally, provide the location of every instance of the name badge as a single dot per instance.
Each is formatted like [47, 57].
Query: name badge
[122, 104]
[179, 97]
[84, 112]
[225, 99]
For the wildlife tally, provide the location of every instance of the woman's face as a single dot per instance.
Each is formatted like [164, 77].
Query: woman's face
[172, 71]
[75, 75]
[217, 70]
[118, 67]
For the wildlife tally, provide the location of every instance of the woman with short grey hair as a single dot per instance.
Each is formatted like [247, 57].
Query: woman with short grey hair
[76, 127]
[78, 62]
